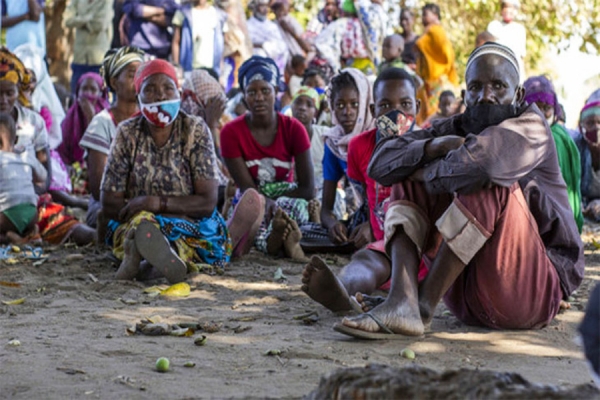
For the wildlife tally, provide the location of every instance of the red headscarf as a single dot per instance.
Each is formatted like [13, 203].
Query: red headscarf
[154, 67]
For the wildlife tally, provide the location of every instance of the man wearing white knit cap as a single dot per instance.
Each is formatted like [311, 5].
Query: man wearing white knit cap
[478, 198]
[510, 33]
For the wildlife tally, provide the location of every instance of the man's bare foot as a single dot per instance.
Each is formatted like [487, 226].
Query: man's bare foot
[291, 241]
[275, 239]
[314, 211]
[367, 303]
[320, 284]
[130, 265]
[403, 318]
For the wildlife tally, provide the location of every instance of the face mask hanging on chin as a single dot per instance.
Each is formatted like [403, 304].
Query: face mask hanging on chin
[162, 113]
[481, 116]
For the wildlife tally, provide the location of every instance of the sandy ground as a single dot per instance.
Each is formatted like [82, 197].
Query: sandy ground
[72, 329]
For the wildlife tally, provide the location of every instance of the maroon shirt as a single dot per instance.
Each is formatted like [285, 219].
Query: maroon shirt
[520, 149]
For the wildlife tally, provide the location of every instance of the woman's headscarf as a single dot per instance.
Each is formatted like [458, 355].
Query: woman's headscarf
[13, 70]
[44, 94]
[198, 88]
[594, 97]
[258, 68]
[75, 124]
[116, 60]
[591, 107]
[336, 139]
[154, 67]
[540, 89]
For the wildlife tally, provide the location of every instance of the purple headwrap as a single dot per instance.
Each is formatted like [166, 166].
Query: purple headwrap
[540, 89]
[75, 124]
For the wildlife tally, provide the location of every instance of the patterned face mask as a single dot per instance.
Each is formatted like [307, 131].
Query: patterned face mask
[393, 123]
[162, 113]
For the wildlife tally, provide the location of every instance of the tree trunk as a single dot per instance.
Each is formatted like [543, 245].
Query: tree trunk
[59, 42]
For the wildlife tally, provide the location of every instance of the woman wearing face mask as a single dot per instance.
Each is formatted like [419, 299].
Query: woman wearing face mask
[588, 143]
[92, 97]
[539, 90]
[160, 186]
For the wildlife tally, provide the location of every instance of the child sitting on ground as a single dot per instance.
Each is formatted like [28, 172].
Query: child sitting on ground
[391, 53]
[483, 38]
[446, 107]
[297, 69]
[18, 213]
[316, 78]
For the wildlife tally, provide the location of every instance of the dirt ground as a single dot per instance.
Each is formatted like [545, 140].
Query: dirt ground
[72, 330]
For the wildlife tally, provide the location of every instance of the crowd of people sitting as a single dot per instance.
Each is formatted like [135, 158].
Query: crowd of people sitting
[344, 139]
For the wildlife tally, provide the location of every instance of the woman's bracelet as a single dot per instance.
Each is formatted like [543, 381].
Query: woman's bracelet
[163, 204]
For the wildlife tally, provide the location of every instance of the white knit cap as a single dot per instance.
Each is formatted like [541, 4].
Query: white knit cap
[497, 49]
[515, 3]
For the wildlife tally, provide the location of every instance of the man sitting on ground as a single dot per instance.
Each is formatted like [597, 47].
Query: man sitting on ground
[481, 195]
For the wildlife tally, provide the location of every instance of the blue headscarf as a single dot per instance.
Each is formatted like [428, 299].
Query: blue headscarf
[258, 68]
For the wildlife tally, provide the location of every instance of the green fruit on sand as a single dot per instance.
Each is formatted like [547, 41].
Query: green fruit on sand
[408, 354]
[162, 364]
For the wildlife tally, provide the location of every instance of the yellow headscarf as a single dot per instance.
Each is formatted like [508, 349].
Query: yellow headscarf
[309, 92]
[13, 70]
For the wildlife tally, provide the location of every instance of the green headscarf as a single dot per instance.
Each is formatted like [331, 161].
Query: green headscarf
[348, 6]
[570, 167]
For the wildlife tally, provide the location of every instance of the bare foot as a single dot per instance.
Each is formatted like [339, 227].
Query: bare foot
[291, 241]
[275, 239]
[564, 305]
[367, 303]
[320, 284]
[229, 195]
[32, 236]
[245, 222]
[130, 265]
[15, 238]
[83, 235]
[148, 272]
[314, 211]
[154, 247]
[403, 318]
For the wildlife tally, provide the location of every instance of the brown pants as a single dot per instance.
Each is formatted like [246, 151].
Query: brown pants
[509, 281]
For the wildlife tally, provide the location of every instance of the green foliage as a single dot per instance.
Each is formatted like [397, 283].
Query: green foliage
[549, 23]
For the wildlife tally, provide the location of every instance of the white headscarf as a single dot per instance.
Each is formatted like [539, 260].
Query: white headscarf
[335, 138]
[44, 94]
